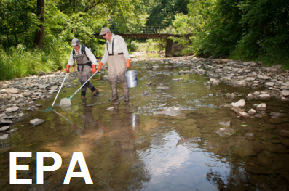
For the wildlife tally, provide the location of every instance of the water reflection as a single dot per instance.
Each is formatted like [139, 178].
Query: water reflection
[164, 140]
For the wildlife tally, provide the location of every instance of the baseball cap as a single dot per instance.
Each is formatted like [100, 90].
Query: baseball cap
[74, 42]
[104, 30]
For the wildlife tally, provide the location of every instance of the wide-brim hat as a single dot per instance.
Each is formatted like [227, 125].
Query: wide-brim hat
[104, 30]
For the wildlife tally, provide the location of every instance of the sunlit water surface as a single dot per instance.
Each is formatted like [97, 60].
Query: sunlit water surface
[164, 139]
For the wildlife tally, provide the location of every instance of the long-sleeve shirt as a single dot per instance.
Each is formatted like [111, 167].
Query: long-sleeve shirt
[119, 47]
[88, 54]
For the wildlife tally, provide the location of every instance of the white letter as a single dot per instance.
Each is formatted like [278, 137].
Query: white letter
[40, 168]
[13, 167]
[77, 156]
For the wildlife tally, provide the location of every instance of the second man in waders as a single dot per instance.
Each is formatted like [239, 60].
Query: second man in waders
[117, 56]
[85, 61]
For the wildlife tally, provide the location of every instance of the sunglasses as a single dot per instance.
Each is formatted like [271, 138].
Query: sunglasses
[104, 34]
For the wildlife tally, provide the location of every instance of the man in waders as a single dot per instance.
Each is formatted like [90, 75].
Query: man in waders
[117, 56]
[85, 61]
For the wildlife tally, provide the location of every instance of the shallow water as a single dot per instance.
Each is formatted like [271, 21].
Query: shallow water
[164, 139]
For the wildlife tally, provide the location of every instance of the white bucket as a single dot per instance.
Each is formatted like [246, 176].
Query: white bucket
[131, 78]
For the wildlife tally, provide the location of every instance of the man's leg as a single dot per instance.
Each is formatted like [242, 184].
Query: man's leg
[120, 70]
[93, 89]
[83, 90]
[81, 80]
[122, 79]
[114, 95]
[112, 78]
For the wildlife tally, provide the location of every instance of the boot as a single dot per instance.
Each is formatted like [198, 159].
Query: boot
[126, 98]
[95, 92]
[126, 93]
[83, 95]
[114, 97]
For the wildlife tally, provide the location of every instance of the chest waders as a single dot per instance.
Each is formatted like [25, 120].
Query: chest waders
[116, 68]
[83, 70]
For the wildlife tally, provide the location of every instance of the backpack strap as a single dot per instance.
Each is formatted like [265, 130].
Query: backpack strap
[73, 52]
[82, 51]
[112, 47]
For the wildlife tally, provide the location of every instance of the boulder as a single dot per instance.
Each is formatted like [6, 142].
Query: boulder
[261, 107]
[240, 103]
[4, 136]
[36, 121]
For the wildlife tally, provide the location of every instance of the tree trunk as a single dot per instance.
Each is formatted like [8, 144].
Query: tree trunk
[39, 35]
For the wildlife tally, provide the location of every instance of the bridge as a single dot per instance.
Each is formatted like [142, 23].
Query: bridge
[155, 32]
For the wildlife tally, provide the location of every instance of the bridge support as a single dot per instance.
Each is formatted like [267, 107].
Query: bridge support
[173, 49]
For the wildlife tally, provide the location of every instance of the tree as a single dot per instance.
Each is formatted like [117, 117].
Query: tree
[162, 12]
[39, 36]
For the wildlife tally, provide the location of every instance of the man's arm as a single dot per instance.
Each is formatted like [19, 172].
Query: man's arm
[71, 60]
[105, 55]
[123, 47]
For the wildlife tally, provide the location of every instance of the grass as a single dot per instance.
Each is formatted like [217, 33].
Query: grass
[18, 63]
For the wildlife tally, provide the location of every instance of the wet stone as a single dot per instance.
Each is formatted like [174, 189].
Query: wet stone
[12, 109]
[225, 131]
[227, 124]
[277, 115]
[244, 114]
[163, 87]
[4, 136]
[110, 109]
[284, 133]
[4, 128]
[36, 121]
[285, 93]
[254, 169]
[276, 148]
[276, 120]
[285, 142]
[250, 136]
[148, 83]
[12, 130]
[3, 115]
[240, 103]
[264, 96]
[252, 112]
[261, 107]
[5, 122]
[264, 160]
[146, 93]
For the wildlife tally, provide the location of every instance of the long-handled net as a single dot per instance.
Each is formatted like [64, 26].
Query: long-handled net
[50, 108]
[66, 102]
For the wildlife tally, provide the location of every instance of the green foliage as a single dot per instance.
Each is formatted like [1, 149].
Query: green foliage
[265, 31]
[243, 29]
[196, 23]
[162, 12]
[63, 20]
[151, 45]
[19, 62]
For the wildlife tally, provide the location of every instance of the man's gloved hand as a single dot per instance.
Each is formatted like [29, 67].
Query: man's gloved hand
[93, 69]
[127, 63]
[99, 66]
[67, 68]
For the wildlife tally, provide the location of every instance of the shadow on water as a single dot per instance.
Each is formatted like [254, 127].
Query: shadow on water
[164, 139]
